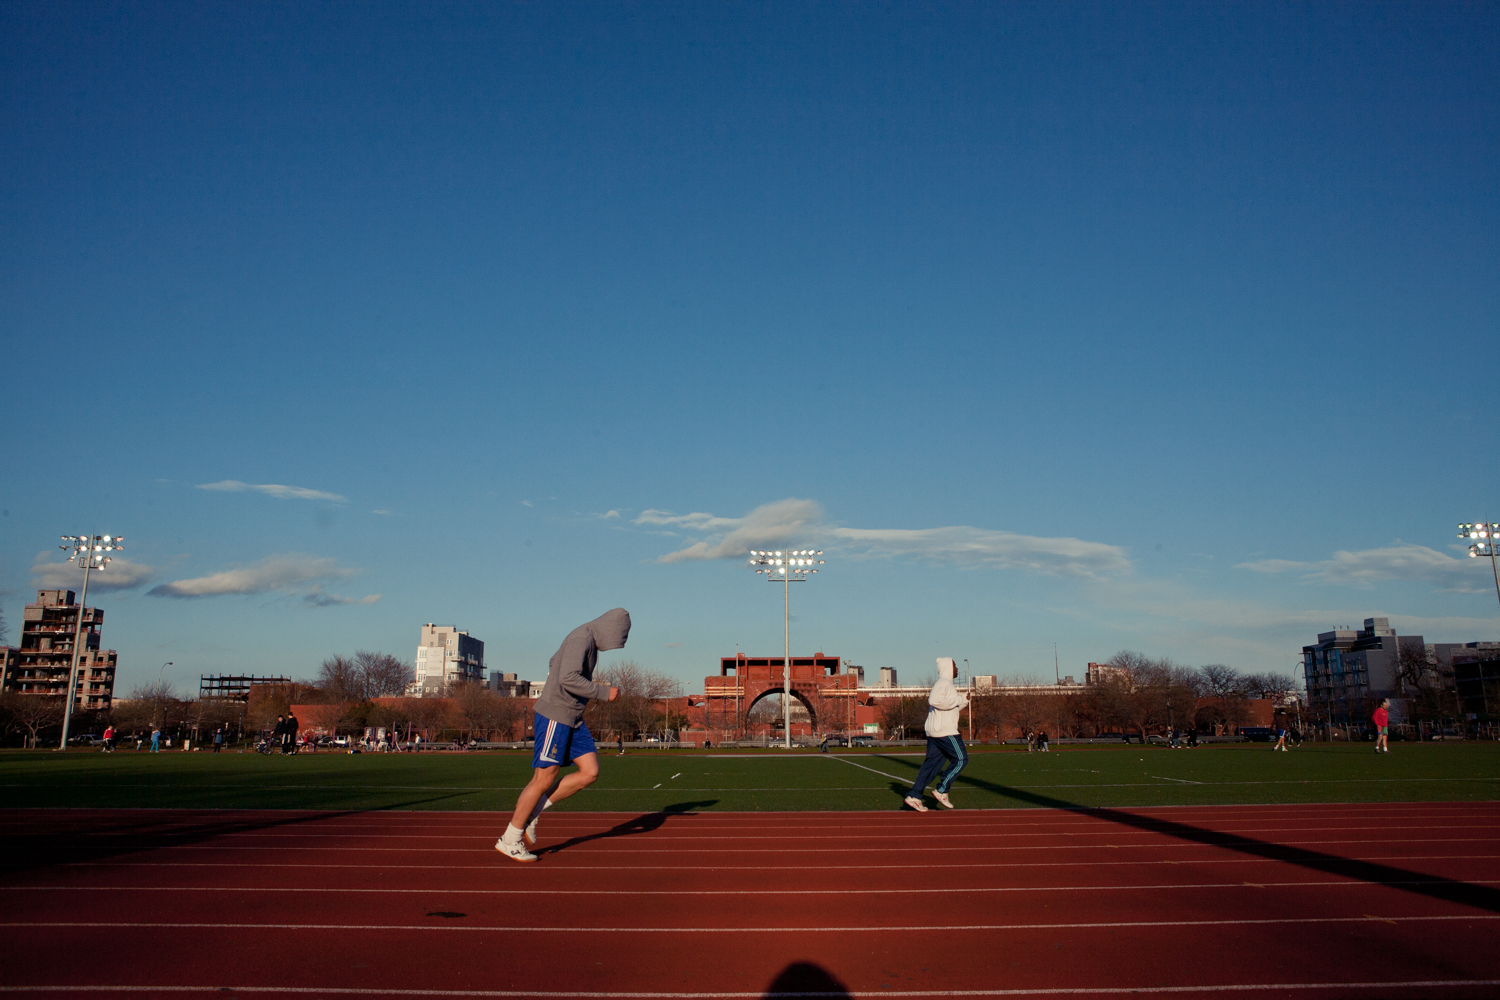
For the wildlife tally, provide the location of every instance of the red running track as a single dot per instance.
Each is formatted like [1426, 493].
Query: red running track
[1366, 900]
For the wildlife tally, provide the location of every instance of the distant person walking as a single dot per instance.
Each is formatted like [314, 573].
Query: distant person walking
[944, 745]
[1382, 719]
[218, 739]
[289, 735]
[109, 739]
[1042, 742]
[155, 739]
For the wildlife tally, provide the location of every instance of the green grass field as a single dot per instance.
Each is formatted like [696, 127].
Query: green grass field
[768, 780]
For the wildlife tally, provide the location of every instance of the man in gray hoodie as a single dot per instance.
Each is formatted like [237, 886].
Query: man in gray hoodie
[560, 735]
[944, 745]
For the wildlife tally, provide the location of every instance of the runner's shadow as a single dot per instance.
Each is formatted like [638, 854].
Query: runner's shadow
[806, 979]
[644, 823]
[1423, 884]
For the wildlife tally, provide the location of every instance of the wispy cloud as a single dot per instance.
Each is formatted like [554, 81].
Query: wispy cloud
[319, 598]
[794, 521]
[120, 574]
[384, 512]
[292, 571]
[1394, 562]
[272, 490]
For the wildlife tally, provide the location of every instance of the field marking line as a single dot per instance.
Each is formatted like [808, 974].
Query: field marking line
[798, 868]
[1343, 883]
[1184, 781]
[759, 994]
[822, 929]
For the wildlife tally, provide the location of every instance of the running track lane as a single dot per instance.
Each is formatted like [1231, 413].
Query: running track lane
[1305, 901]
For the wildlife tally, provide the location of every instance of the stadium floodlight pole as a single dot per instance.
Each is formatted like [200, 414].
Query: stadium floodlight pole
[786, 566]
[1485, 532]
[89, 552]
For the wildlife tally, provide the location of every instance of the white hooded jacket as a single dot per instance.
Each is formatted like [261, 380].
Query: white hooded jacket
[944, 703]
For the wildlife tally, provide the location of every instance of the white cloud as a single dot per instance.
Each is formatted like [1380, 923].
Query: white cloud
[120, 574]
[527, 503]
[1394, 562]
[785, 522]
[608, 514]
[279, 572]
[731, 537]
[965, 546]
[272, 490]
[382, 511]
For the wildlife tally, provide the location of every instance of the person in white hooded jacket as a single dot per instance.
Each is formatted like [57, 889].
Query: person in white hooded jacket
[944, 745]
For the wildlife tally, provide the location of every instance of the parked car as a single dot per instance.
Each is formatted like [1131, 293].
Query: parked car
[835, 741]
[1257, 734]
[863, 741]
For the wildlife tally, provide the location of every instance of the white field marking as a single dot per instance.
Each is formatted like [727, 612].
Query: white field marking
[904, 781]
[1164, 845]
[758, 994]
[1343, 883]
[1181, 780]
[574, 929]
[788, 868]
[675, 776]
[657, 785]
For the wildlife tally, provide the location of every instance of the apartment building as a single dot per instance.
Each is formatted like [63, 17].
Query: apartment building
[446, 656]
[40, 665]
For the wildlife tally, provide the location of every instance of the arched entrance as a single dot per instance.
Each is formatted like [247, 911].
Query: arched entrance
[819, 684]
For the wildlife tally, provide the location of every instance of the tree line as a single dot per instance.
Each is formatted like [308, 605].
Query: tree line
[1137, 694]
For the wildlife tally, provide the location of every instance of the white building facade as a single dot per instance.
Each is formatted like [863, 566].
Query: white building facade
[446, 656]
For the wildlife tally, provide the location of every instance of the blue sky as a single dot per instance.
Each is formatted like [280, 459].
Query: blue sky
[1142, 326]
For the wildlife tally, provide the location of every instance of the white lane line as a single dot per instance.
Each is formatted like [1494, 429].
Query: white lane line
[951, 828]
[1341, 883]
[759, 995]
[1183, 781]
[932, 847]
[822, 929]
[796, 868]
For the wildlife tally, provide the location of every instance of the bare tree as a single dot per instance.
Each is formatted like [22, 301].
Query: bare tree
[270, 700]
[382, 674]
[906, 716]
[33, 713]
[341, 679]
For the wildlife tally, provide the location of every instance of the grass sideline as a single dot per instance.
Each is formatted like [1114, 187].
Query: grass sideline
[759, 780]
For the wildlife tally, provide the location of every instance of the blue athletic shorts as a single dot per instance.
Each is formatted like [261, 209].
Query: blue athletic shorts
[557, 745]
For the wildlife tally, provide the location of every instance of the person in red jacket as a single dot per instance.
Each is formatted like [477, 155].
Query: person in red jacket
[1382, 720]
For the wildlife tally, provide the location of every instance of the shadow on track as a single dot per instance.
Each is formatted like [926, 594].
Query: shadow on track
[96, 835]
[1432, 886]
[644, 823]
[806, 979]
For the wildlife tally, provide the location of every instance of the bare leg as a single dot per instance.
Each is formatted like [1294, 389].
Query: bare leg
[541, 785]
[541, 780]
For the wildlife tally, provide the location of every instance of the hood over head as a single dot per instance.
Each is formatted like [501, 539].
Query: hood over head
[947, 668]
[611, 629]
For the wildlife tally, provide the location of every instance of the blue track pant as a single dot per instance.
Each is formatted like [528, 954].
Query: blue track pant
[941, 749]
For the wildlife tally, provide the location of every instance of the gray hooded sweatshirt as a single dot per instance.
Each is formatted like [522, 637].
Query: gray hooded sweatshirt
[570, 672]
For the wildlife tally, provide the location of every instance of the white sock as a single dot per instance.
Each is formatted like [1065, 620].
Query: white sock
[512, 835]
[546, 803]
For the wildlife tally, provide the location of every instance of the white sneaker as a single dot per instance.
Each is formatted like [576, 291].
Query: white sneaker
[531, 830]
[516, 851]
[913, 802]
[942, 798]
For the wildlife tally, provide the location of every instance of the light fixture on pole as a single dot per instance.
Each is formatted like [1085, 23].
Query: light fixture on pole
[1484, 532]
[786, 566]
[89, 552]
